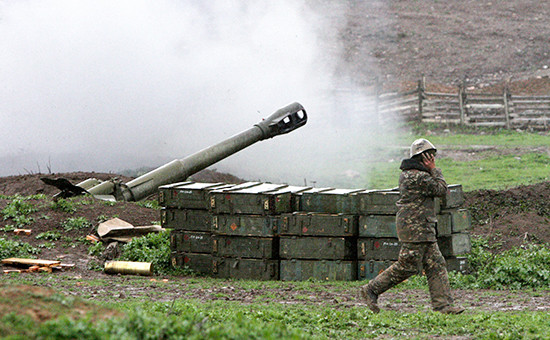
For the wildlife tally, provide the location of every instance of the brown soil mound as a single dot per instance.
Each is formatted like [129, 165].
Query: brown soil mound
[71, 248]
[511, 217]
[31, 184]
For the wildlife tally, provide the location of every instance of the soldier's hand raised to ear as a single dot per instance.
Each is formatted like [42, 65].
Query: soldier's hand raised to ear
[428, 160]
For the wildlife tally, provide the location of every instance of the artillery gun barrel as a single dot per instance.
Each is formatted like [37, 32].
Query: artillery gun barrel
[282, 121]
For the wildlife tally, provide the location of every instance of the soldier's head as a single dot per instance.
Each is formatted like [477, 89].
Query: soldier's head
[420, 146]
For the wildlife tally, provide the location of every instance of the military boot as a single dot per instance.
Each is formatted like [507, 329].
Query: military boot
[451, 310]
[371, 298]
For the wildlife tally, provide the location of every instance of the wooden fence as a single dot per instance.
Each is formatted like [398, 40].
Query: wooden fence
[499, 110]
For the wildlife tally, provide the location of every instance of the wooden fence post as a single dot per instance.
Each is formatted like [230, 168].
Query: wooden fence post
[461, 97]
[420, 98]
[506, 109]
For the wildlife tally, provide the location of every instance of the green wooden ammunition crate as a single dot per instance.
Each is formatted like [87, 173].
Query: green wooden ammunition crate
[377, 202]
[329, 200]
[318, 248]
[199, 263]
[326, 270]
[443, 226]
[262, 199]
[190, 220]
[377, 226]
[454, 197]
[296, 192]
[369, 269]
[455, 244]
[188, 195]
[458, 264]
[245, 247]
[384, 248]
[318, 224]
[453, 221]
[251, 269]
[174, 240]
[245, 225]
[191, 242]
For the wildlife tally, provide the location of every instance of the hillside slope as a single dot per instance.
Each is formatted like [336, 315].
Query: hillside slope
[480, 42]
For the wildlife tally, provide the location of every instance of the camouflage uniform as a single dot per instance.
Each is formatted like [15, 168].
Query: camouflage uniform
[416, 220]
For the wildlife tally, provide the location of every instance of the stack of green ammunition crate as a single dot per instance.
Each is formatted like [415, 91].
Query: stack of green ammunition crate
[186, 213]
[320, 241]
[245, 229]
[378, 246]
[453, 226]
[269, 231]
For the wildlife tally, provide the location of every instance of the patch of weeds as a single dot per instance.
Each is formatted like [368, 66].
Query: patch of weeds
[481, 254]
[51, 235]
[9, 228]
[70, 242]
[63, 205]
[19, 209]
[21, 221]
[102, 218]
[94, 265]
[303, 297]
[267, 296]
[47, 245]
[221, 295]
[96, 249]
[75, 223]
[153, 247]
[86, 201]
[18, 206]
[10, 248]
[108, 203]
[415, 282]
[517, 268]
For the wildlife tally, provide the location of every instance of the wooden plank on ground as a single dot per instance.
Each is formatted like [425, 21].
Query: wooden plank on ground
[30, 262]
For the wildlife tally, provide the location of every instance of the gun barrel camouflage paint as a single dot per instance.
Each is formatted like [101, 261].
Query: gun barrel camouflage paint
[281, 122]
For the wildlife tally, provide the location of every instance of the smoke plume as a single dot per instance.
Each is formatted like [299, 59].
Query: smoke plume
[113, 85]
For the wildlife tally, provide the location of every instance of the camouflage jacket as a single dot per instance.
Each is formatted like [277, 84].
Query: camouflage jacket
[418, 187]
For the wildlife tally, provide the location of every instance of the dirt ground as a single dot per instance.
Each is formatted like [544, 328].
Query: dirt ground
[481, 43]
[93, 211]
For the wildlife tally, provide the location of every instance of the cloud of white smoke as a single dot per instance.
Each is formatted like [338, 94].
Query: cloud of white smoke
[112, 85]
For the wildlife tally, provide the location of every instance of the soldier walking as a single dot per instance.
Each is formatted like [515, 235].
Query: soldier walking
[419, 183]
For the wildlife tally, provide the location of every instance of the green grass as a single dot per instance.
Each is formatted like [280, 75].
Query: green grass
[194, 319]
[497, 172]
[14, 248]
[510, 159]
[505, 139]
[267, 318]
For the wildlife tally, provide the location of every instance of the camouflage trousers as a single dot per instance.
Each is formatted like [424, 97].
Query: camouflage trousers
[414, 257]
